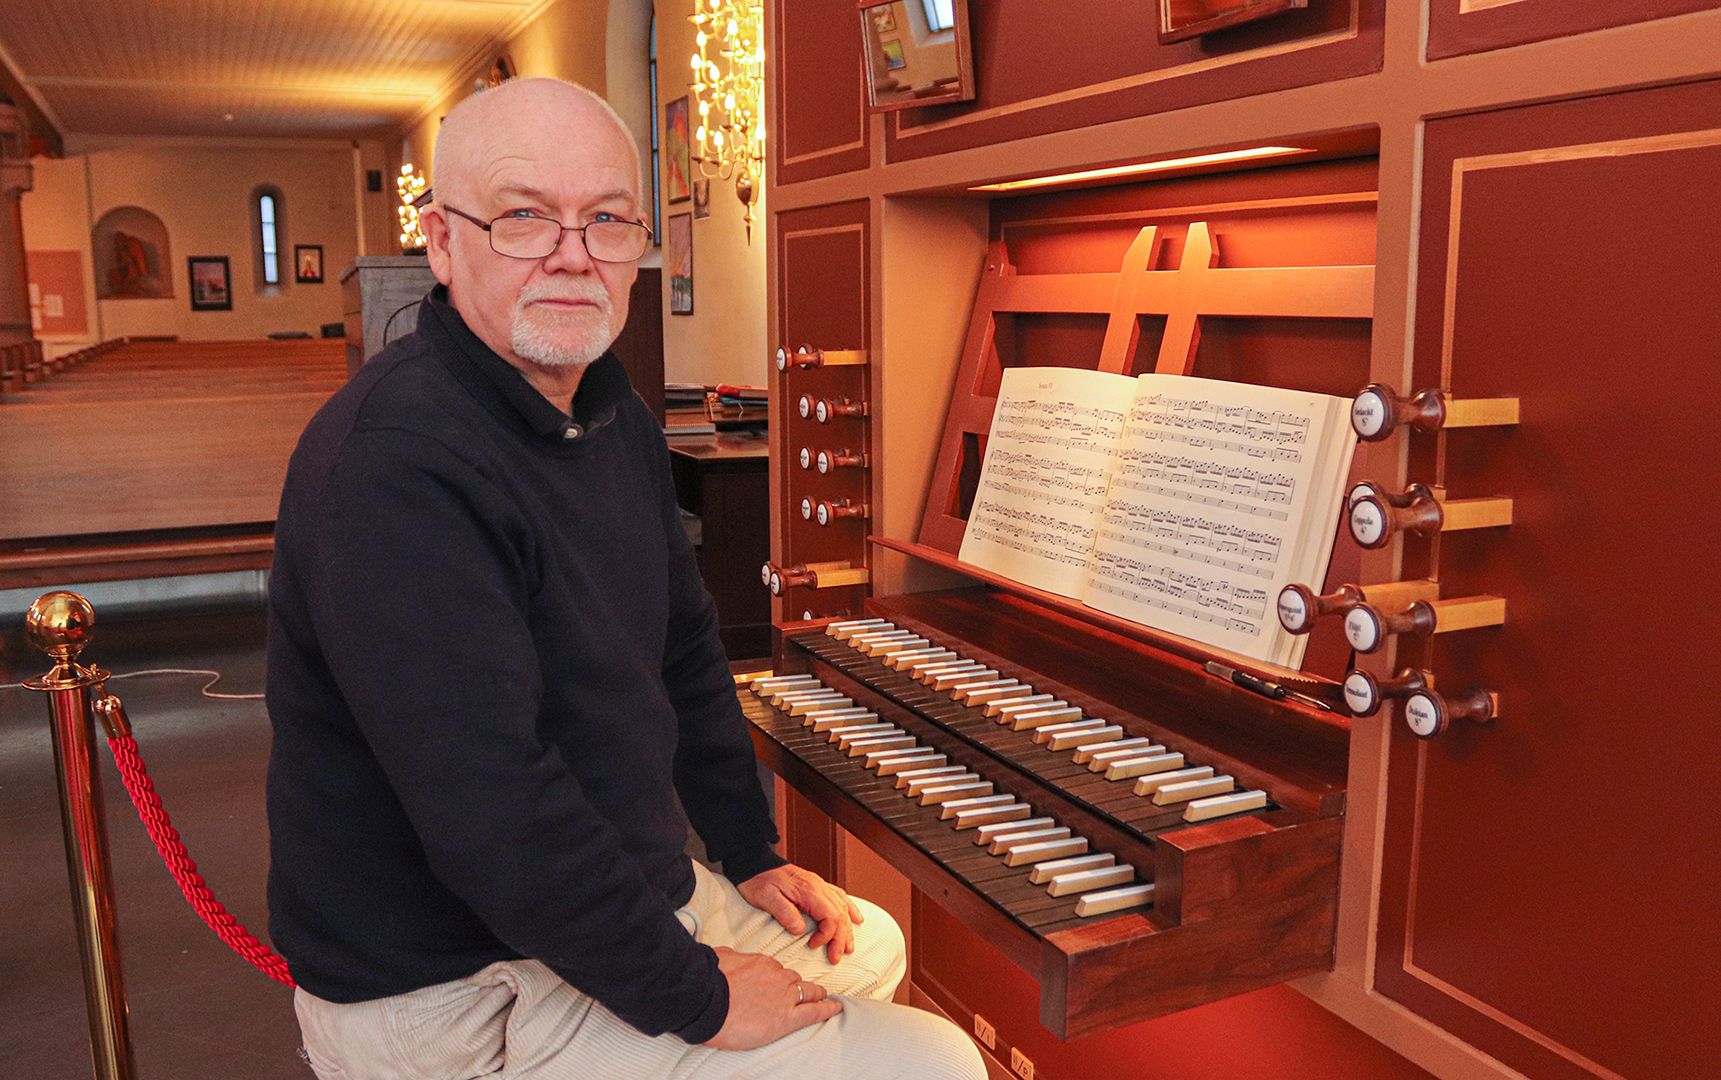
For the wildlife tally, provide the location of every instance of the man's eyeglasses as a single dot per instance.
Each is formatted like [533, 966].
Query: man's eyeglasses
[524, 236]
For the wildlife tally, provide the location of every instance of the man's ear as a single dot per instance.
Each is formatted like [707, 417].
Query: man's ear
[434, 221]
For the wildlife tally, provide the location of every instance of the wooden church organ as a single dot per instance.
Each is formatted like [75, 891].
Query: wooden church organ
[1394, 835]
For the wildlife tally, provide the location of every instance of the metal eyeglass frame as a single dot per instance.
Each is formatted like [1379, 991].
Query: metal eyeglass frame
[581, 229]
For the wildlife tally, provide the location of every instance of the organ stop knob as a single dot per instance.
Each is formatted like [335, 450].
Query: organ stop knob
[1364, 694]
[1428, 714]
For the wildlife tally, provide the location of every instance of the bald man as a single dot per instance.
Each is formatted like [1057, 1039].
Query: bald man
[499, 699]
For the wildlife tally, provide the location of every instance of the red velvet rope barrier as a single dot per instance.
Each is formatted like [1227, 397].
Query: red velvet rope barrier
[184, 871]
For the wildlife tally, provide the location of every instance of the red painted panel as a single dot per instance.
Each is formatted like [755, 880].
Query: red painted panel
[820, 123]
[1549, 890]
[823, 271]
[1274, 1033]
[1452, 31]
[1050, 65]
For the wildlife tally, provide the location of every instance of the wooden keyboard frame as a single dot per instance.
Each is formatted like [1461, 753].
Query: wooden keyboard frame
[1240, 902]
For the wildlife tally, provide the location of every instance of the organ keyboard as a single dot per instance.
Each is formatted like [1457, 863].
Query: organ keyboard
[1139, 836]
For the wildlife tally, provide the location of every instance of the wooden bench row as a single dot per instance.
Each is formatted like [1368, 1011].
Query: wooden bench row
[25, 362]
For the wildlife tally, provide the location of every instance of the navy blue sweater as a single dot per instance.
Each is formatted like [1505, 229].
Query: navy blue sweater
[495, 682]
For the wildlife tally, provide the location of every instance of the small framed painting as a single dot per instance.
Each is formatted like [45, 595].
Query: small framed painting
[308, 264]
[680, 262]
[677, 153]
[211, 283]
[701, 198]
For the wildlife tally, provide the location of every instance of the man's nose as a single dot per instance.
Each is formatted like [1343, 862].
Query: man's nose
[570, 254]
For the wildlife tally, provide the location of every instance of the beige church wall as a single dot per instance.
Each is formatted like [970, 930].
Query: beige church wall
[55, 218]
[603, 47]
[724, 340]
[201, 190]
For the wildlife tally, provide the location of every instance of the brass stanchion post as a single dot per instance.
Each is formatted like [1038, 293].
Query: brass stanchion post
[59, 624]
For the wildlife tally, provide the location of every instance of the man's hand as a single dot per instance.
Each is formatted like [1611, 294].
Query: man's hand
[766, 1001]
[787, 891]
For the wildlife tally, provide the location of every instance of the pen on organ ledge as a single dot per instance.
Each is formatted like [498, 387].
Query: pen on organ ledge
[1261, 686]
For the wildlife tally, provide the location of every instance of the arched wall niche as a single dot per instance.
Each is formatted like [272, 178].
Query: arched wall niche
[132, 255]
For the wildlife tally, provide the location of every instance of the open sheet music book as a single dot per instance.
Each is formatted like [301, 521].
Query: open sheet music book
[1178, 503]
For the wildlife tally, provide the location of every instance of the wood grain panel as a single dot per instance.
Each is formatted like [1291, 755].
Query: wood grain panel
[1567, 256]
[1462, 27]
[1045, 65]
[821, 127]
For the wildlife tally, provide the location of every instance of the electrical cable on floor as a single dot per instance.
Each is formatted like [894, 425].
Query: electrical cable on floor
[214, 677]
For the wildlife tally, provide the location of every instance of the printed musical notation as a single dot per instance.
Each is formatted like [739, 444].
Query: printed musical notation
[1180, 503]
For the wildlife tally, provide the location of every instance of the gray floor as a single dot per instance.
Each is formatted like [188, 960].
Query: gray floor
[196, 1009]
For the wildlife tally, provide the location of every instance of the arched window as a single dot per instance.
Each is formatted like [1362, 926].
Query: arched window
[268, 226]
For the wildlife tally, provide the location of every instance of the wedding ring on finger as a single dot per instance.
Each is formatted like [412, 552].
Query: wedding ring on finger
[800, 993]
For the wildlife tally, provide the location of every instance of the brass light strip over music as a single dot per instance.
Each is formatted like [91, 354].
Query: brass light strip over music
[1141, 168]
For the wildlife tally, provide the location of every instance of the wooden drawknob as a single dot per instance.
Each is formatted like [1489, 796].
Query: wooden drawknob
[825, 409]
[1374, 517]
[1367, 627]
[841, 459]
[1299, 607]
[826, 512]
[1428, 714]
[1364, 694]
[1378, 411]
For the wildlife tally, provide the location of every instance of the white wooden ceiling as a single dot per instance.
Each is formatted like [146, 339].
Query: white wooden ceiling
[303, 68]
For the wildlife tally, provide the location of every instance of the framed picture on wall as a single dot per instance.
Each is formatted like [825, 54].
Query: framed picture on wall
[679, 259]
[893, 58]
[677, 153]
[308, 264]
[211, 283]
[701, 198]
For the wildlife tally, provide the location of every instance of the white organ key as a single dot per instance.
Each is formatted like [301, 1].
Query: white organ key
[1098, 903]
[938, 794]
[1147, 785]
[883, 757]
[1082, 738]
[913, 760]
[824, 721]
[773, 682]
[1099, 759]
[1018, 701]
[924, 662]
[1220, 805]
[853, 626]
[973, 817]
[895, 645]
[1043, 733]
[1076, 881]
[1006, 712]
[1135, 744]
[1046, 871]
[888, 742]
[909, 776]
[841, 735]
[963, 689]
[862, 640]
[1042, 850]
[913, 785]
[982, 802]
[900, 660]
[807, 705]
[946, 681]
[985, 834]
[1011, 690]
[1037, 718]
[1193, 789]
[781, 698]
[1009, 841]
[968, 668]
[1126, 767]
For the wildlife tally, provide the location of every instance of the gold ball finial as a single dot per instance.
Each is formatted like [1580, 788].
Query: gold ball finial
[59, 623]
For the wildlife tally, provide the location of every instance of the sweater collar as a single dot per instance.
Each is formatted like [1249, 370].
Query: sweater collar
[602, 388]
